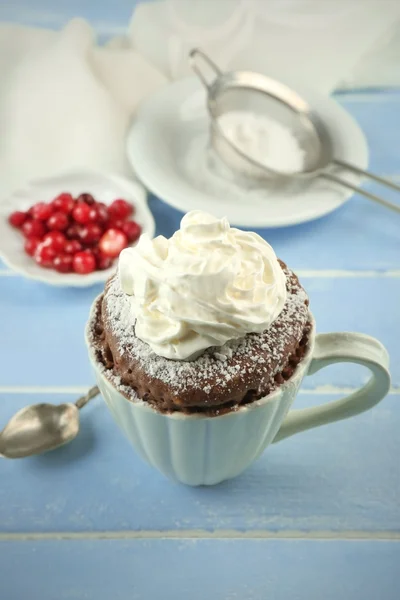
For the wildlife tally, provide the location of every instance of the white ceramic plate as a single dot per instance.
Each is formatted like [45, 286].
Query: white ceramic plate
[104, 188]
[168, 147]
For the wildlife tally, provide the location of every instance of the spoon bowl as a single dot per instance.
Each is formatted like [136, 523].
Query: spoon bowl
[39, 428]
[42, 427]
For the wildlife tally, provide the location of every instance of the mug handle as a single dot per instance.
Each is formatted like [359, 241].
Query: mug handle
[332, 348]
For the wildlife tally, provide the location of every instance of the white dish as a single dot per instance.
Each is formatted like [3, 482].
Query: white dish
[104, 188]
[168, 146]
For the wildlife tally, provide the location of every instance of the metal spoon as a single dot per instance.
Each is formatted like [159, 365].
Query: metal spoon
[42, 427]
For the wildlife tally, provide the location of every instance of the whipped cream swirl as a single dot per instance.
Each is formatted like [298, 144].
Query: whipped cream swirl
[208, 284]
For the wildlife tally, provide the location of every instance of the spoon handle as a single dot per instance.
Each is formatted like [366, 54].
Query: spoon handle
[92, 393]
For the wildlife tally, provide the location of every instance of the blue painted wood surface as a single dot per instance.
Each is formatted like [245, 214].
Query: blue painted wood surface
[337, 482]
[342, 477]
[106, 17]
[198, 569]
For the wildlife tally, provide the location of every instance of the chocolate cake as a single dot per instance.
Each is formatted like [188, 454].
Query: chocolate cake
[221, 379]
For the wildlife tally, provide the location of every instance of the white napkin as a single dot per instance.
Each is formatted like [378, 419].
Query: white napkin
[126, 74]
[66, 103]
[16, 41]
[317, 42]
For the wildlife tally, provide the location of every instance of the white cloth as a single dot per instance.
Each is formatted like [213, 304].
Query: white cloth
[66, 102]
[319, 42]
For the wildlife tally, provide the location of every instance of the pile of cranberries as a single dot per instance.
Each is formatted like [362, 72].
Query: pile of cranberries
[77, 235]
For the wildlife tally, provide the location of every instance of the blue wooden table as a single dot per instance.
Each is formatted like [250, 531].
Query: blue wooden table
[318, 516]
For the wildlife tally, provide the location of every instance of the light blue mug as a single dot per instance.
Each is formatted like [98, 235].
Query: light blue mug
[200, 450]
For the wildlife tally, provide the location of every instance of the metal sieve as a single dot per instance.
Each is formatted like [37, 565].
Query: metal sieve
[248, 91]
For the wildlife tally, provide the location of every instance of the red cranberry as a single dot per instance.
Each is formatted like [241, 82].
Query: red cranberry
[90, 233]
[64, 203]
[98, 215]
[95, 251]
[120, 209]
[132, 230]
[115, 223]
[58, 221]
[63, 263]
[72, 247]
[81, 213]
[41, 211]
[45, 255]
[87, 198]
[17, 218]
[32, 228]
[31, 245]
[84, 262]
[102, 213]
[55, 239]
[112, 242]
[73, 231]
[103, 262]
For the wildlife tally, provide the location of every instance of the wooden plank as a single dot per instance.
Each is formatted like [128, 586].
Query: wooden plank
[197, 569]
[339, 478]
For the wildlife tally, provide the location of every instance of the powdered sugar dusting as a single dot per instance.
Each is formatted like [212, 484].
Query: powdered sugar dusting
[217, 367]
[263, 139]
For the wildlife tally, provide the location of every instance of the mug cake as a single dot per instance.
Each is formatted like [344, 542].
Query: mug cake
[205, 322]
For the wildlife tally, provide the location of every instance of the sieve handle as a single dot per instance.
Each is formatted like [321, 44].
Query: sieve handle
[194, 56]
[355, 188]
[354, 169]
